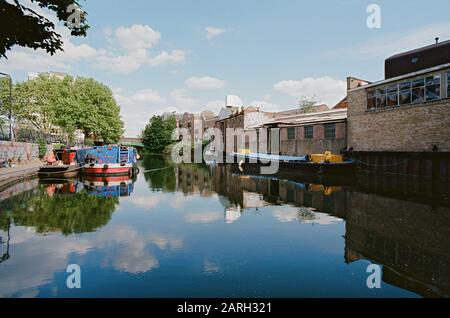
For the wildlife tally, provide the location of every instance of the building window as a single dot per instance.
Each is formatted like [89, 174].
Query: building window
[405, 93]
[416, 91]
[392, 96]
[448, 85]
[433, 87]
[309, 132]
[330, 131]
[371, 100]
[380, 96]
[291, 133]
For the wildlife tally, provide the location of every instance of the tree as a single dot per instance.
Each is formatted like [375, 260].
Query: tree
[4, 99]
[69, 105]
[158, 133]
[22, 25]
[95, 110]
[307, 104]
[35, 102]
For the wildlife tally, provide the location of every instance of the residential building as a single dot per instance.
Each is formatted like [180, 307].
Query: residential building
[401, 124]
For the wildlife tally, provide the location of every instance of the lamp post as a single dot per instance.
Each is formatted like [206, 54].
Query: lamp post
[11, 137]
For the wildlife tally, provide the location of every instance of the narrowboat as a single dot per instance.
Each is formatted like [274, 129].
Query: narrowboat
[60, 164]
[109, 160]
[109, 187]
[326, 163]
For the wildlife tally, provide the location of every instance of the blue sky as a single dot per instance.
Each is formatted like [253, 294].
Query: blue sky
[179, 55]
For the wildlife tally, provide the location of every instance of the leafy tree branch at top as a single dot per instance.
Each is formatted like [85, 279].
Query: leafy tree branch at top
[22, 25]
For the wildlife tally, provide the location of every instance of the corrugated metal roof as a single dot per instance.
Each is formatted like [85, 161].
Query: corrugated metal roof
[308, 118]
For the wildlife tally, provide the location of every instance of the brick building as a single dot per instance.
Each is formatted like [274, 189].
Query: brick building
[196, 124]
[401, 125]
[241, 118]
[308, 133]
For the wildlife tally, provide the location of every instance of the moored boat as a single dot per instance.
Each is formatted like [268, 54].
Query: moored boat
[109, 160]
[59, 171]
[62, 165]
[326, 163]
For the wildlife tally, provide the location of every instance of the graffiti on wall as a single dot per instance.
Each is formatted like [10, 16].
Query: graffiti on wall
[18, 152]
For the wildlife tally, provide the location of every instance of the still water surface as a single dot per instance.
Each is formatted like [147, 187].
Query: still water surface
[199, 231]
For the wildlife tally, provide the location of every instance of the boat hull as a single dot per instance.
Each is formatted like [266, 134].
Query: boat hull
[295, 165]
[104, 170]
[63, 171]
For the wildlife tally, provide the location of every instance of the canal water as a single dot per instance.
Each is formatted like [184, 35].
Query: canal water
[202, 231]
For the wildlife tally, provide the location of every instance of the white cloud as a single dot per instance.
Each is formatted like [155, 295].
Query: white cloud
[397, 42]
[147, 96]
[212, 32]
[176, 56]
[203, 217]
[205, 82]
[182, 100]
[137, 107]
[265, 105]
[326, 89]
[26, 59]
[129, 52]
[215, 105]
[137, 37]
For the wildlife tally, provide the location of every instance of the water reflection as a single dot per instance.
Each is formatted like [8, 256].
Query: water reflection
[189, 229]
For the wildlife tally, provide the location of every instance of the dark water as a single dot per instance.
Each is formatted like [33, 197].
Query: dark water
[199, 231]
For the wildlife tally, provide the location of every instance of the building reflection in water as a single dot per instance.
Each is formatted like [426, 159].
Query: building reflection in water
[403, 225]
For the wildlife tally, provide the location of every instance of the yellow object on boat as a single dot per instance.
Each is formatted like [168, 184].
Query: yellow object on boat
[245, 151]
[327, 157]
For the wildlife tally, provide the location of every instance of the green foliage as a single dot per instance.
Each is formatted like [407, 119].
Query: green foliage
[69, 104]
[94, 110]
[57, 146]
[36, 101]
[307, 104]
[25, 27]
[42, 148]
[4, 95]
[157, 134]
[68, 214]
[161, 175]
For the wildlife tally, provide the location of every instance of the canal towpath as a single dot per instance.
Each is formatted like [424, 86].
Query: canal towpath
[11, 175]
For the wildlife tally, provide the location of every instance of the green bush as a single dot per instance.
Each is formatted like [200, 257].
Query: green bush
[42, 148]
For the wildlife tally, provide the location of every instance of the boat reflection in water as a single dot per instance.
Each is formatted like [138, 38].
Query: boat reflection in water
[401, 224]
[119, 186]
[103, 187]
[231, 232]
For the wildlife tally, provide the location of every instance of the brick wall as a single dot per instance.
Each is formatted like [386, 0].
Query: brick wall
[301, 146]
[414, 128]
